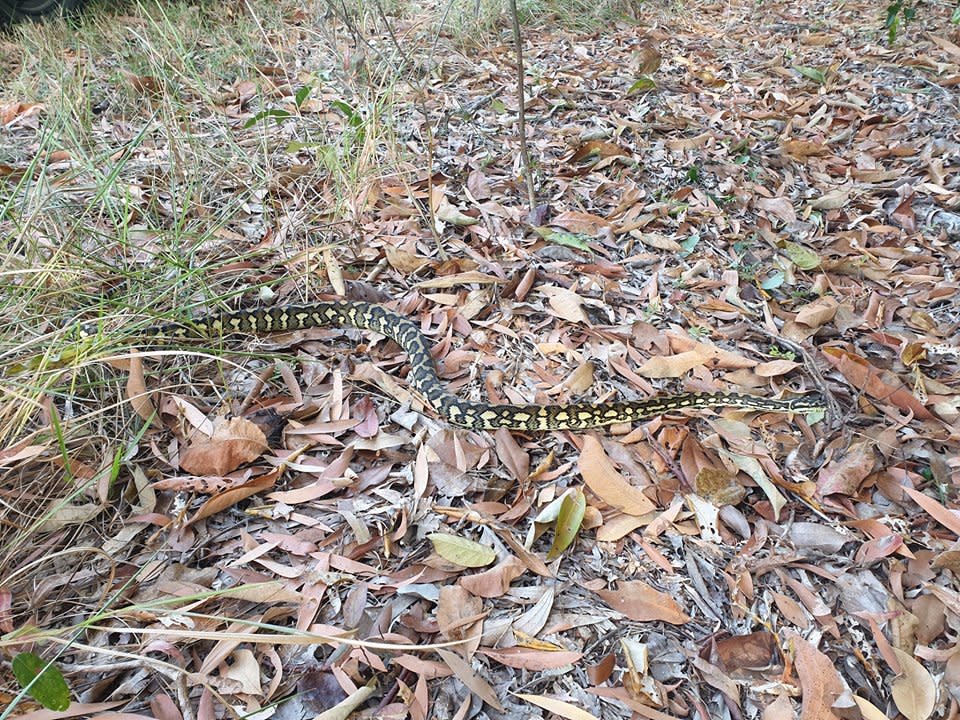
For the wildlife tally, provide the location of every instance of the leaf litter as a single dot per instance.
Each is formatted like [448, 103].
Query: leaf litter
[718, 218]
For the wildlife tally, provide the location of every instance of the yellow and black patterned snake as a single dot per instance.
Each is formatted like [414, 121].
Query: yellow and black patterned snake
[423, 374]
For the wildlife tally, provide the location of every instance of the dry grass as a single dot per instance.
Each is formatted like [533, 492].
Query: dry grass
[136, 193]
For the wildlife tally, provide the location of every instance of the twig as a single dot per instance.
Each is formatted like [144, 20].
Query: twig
[521, 109]
[668, 461]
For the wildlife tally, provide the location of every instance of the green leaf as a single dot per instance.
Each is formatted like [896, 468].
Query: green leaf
[893, 9]
[811, 74]
[275, 113]
[802, 257]
[354, 119]
[569, 519]
[461, 551]
[774, 281]
[48, 686]
[562, 237]
[690, 244]
[302, 94]
[644, 84]
[955, 18]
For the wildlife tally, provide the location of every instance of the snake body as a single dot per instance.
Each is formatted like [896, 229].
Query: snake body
[423, 374]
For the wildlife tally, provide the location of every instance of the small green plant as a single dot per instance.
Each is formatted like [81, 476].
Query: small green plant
[899, 13]
[279, 114]
[776, 352]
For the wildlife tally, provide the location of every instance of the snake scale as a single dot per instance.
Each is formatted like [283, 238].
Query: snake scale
[423, 374]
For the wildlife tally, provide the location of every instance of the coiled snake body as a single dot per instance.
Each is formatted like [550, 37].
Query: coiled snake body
[423, 374]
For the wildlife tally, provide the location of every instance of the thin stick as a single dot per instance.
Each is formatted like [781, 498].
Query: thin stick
[521, 114]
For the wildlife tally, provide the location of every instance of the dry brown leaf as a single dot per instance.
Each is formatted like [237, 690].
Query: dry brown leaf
[831, 200]
[458, 612]
[65, 515]
[495, 581]
[780, 207]
[602, 478]
[640, 602]
[689, 354]
[229, 498]
[234, 442]
[557, 707]
[817, 313]
[565, 303]
[802, 149]
[775, 368]
[877, 383]
[581, 222]
[657, 241]
[674, 366]
[819, 679]
[464, 278]
[791, 610]
[405, 263]
[465, 674]
[531, 659]
[913, 690]
[334, 272]
[948, 518]
[844, 475]
[20, 451]
[137, 392]
[780, 709]
[514, 457]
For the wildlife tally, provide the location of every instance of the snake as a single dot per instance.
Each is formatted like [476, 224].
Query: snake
[423, 378]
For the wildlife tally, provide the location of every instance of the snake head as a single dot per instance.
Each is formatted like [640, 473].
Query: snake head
[85, 330]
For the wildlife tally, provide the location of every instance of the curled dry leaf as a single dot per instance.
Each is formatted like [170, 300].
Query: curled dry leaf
[569, 520]
[495, 581]
[780, 207]
[458, 612]
[137, 392]
[448, 212]
[818, 313]
[914, 690]
[843, 476]
[234, 442]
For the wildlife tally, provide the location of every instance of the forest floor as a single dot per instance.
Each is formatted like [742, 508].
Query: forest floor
[758, 197]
